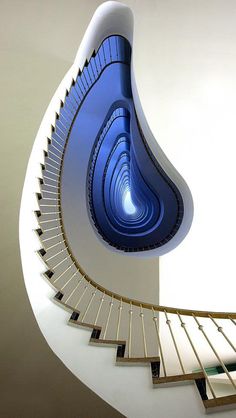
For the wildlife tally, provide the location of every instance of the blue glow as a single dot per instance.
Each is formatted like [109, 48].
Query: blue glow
[128, 204]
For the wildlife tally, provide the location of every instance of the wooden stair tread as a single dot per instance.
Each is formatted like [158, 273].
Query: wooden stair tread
[101, 341]
[222, 401]
[178, 378]
[84, 324]
[61, 302]
[137, 359]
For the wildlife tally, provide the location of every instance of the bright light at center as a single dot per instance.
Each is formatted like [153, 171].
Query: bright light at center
[128, 205]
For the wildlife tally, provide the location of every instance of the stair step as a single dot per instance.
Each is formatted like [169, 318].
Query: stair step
[84, 324]
[178, 378]
[143, 360]
[60, 301]
[218, 403]
[108, 342]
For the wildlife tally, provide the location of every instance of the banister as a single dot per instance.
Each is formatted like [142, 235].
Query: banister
[149, 306]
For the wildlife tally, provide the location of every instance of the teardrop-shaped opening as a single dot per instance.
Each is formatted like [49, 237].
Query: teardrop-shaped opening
[134, 205]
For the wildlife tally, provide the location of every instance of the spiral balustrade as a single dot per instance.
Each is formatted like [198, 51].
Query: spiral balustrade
[179, 345]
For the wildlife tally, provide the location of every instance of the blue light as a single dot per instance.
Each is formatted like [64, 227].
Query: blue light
[128, 204]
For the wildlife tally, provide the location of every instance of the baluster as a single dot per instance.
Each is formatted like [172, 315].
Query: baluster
[99, 308]
[54, 245]
[49, 178]
[108, 318]
[183, 325]
[130, 330]
[51, 172]
[232, 320]
[51, 213]
[143, 331]
[89, 304]
[70, 278]
[55, 168]
[63, 124]
[82, 295]
[168, 321]
[73, 291]
[50, 185]
[55, 162]
[62, 274]
[50, 220]
[55, 155]
[200, 327]
[49, 192]
[53, 146]
[55, 236]
[60, 262]
[54, 255]
[119, 319]
[155, 319]
[220, 329]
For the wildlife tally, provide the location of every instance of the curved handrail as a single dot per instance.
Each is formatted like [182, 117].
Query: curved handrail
[158, 308]
[149, 306]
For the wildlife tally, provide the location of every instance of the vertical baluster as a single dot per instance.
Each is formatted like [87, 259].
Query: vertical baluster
[220, 329]
[70, 278]
[50, 220]
[82, 295]
[108, 319]
[73, 291]
[89, 304]
[155, 319]
[183, 325]
[130, 331]
[143, 331]
[119, 319]
[232, 320]
[60, 262]
[62, 274]
[54, 245]
[200, 327]
[99, 308]
[168, 321]
[54, 255]
[54, 236]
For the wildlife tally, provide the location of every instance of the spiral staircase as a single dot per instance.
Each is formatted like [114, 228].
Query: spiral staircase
[179, 346]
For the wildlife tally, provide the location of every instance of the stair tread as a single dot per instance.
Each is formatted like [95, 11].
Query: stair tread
[222, 401]
[178, 378]
[137, 359]
[101, 341]
[84, 324]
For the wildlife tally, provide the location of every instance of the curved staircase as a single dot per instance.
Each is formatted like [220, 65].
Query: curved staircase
[143, 333]
[180, 346]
